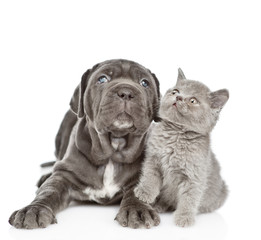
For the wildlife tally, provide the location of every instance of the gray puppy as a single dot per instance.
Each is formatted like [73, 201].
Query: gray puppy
[100, 147]
[180, 171]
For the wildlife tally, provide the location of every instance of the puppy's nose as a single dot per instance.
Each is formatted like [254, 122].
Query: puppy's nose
[179, 98]
[125, 94]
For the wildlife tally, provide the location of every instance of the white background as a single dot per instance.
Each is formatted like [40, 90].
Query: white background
[47, 45]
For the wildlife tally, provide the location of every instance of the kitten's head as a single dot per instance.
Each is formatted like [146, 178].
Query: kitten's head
[192, 105]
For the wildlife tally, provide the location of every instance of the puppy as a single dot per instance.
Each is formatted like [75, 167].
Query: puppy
[100, 146]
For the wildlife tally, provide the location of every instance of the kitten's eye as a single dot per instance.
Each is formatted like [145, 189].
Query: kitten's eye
[193, 100]
[175, 91]
[103, 79]
[144, 83]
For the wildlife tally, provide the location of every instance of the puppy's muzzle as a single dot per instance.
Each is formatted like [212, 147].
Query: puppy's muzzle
[126, 91]
[128, 94]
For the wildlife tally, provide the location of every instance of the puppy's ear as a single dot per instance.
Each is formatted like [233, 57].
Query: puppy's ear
[76, 102]
[157, 100]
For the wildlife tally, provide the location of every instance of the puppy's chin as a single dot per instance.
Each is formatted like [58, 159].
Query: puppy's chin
[122, 124]
[123, 121]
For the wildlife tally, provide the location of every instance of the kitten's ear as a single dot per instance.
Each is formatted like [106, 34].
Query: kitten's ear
[219, 98]
[181, 75]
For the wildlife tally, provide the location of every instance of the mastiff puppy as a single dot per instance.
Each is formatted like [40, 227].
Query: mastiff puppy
[100, 147]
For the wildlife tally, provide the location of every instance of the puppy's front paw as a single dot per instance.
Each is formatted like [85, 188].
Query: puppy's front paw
[184, 219]
[143, 195]
[137, 215]
[32, 216]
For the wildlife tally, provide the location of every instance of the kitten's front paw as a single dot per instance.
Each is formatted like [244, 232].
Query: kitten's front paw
[184, 219]
[143, 195]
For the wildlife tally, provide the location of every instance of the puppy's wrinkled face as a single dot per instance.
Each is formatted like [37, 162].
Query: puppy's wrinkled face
[123, 95]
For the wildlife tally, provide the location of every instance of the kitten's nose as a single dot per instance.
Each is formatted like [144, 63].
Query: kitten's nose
[179, 98]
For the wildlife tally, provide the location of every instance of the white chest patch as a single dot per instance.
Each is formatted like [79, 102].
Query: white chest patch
[109, 187]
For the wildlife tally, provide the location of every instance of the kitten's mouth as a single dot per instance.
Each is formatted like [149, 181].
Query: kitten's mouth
[175, 104]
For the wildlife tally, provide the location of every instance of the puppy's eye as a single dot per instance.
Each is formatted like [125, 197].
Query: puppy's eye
[175, 91]
[102, 79]
[144, 83]
[193, 101]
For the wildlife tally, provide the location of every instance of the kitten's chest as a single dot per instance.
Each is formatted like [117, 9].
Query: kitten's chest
[173, 147]
[177, 155]
[174, 154]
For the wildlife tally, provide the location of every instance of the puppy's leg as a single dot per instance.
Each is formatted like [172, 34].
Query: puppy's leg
[51, 197]
[43, 179]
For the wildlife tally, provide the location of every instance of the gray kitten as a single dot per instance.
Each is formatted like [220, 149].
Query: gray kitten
[180, 171]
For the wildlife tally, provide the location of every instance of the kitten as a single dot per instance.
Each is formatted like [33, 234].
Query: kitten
[180, 171]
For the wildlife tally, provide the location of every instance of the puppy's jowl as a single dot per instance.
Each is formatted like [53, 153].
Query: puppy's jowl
[180, 171]
[100, 147]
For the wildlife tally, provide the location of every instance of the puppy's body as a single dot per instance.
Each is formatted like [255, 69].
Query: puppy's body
[180, 171]
[99, 146]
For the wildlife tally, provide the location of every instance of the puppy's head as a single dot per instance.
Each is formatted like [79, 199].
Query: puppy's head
[118, 96]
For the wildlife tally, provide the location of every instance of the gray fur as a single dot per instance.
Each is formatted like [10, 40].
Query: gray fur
[102, 136]
[180, 172]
